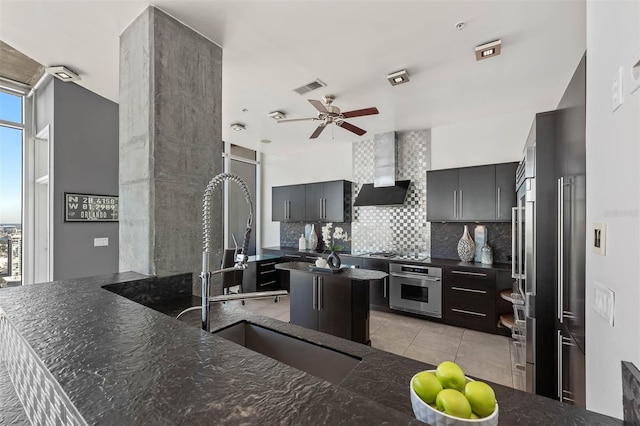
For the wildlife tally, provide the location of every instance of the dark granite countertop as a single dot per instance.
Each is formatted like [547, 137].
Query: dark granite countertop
[431, 261]
[121, 362]
[347, 273]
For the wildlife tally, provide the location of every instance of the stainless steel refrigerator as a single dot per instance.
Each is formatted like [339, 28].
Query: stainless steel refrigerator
[534, 224]
[549, 235]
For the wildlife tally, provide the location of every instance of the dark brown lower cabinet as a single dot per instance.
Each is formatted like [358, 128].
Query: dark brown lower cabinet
[378, 289]
[330, 304]
[470, 299]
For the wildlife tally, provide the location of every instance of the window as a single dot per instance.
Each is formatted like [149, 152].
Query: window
[11, 152]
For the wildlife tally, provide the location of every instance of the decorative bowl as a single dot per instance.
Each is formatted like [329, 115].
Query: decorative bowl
[425, 413]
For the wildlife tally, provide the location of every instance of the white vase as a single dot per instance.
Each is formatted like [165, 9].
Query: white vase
[313, 238]
[466, 246]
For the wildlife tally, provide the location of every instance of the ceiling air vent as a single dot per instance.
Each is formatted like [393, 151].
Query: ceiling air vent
[316, 84]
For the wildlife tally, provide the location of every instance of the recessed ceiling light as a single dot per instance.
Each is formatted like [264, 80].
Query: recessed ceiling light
[460, 25]
[277, 115]
[238, 127]
[398, 77]
[488, 50]
[265, 141]
[62, 73]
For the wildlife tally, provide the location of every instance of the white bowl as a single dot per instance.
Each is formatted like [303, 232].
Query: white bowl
[425, 413]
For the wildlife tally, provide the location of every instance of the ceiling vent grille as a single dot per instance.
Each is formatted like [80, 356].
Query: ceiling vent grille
[316, 84]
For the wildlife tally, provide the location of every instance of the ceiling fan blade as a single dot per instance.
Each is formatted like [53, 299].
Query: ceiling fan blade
[350, 127]
[360, 112]
[297, 119]
[318, 130]
[318, 105]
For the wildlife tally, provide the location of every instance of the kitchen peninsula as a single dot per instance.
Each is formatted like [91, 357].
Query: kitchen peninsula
[118, 361]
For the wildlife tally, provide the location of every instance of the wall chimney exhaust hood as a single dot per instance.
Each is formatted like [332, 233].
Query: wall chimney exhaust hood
[385, 190]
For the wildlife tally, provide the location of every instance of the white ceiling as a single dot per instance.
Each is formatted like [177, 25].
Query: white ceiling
[271, 47]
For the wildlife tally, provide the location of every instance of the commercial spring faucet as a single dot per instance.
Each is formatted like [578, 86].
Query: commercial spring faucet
[240, 258]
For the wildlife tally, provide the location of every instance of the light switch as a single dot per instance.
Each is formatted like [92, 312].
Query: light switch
[599, 238]
[604, 302]
[616, 89]
[101, 242]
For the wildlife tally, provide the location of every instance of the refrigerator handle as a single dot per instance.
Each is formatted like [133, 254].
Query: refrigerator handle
[514, 211]
[559, 366]
[560, 249]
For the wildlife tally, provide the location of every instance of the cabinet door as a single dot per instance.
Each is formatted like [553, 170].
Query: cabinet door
[314, 194]
[378, 289]
[334, 205]
[303, 300]
[505, 190]
[442, 195]
[334, 305]
[279, 207]
[296, 203]
[477, 193]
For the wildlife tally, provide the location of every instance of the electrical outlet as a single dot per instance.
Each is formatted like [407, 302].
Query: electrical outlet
[604, 302]
[617, 94]
[101, 242]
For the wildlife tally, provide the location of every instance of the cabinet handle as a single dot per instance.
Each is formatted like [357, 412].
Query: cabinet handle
[323, 208]
[268, 264]
[314, 297]
[498, 202]
[461, 208]
[267, 283]
[476, 274]
[455, 204]
[462, 311]
[320, 298]
[267, 272]
[469, 290]
[384, 288]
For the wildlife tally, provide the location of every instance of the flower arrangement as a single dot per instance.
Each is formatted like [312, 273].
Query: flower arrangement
[329, 238]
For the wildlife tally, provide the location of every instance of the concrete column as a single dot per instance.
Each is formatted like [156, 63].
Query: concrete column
[170, 144]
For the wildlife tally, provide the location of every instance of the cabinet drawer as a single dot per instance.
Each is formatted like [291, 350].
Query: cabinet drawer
[470, 275]
[470, 318]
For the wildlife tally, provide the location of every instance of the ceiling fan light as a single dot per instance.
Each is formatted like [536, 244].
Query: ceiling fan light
[398, 77]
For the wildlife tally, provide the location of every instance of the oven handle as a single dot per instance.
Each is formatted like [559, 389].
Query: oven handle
[395, 274]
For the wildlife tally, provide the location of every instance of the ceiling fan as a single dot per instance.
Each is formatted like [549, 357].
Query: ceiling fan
[328, 114]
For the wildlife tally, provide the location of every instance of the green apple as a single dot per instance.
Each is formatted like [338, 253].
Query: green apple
[474, 416]
[453, 403]
[451, 376]
[481, 397]
[427, 386]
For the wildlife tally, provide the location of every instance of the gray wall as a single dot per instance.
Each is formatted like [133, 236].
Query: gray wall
[84, 132]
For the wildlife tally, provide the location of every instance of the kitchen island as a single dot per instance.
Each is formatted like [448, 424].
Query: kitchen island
[334, 302]
[116, 358]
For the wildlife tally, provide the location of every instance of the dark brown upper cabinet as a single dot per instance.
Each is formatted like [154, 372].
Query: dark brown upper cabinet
[312, 202]
[481, 193]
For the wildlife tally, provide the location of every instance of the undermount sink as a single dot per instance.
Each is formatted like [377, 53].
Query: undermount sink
[324, 363]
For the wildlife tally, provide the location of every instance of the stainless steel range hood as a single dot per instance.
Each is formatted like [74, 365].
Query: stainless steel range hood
[385, 190]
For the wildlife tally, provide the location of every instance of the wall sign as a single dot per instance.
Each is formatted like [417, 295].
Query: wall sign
[90, 208]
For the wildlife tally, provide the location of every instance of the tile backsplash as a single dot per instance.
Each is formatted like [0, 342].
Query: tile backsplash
[290, 233]
[394, 228]
[445, 237]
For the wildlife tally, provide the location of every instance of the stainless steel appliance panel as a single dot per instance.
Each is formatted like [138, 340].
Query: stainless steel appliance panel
[416, 289]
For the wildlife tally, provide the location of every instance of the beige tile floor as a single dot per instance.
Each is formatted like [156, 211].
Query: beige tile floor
[482, 355]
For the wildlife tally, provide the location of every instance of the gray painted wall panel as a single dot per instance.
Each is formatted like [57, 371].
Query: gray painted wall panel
[85, 137]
